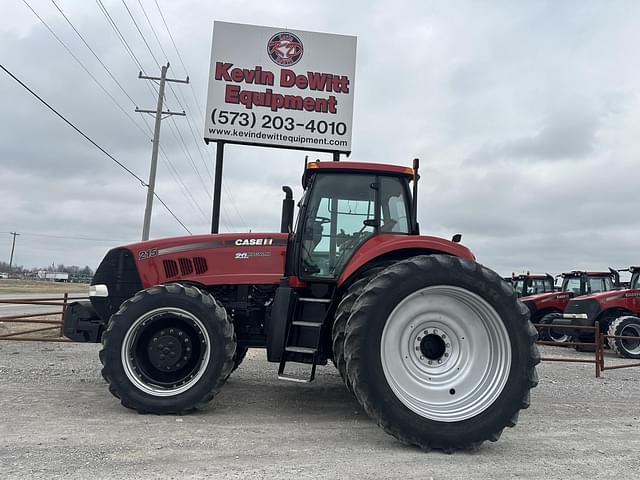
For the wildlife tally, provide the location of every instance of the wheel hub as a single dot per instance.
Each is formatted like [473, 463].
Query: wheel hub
[433, 346]
[166, 350]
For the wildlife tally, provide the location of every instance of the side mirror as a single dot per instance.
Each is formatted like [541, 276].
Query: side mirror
[456, 238]
[286, 222]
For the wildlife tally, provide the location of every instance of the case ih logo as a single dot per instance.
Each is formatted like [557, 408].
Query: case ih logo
[285, 49]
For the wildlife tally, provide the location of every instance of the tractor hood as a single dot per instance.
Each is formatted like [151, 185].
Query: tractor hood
[542, 298]
[604, 297]
[245, 258]
[216, 259]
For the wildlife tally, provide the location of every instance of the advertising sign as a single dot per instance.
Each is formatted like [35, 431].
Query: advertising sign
[281, 88]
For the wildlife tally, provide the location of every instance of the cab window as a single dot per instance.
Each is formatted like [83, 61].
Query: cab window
[393, 206]
[572, 285]
[596, 284]
[340, 217]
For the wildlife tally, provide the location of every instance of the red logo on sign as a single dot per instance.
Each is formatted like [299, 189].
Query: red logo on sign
[285, 49]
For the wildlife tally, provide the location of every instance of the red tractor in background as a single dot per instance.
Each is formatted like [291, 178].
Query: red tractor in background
[616, 311]
[434, 346]
[547, 307]
[526, 284]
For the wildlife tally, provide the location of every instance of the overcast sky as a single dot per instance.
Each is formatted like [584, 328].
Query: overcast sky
[525, 116]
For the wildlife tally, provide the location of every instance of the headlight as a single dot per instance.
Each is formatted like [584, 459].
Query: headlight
[98, 291]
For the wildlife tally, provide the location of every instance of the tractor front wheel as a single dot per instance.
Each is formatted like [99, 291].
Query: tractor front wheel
[626, 326]
[440, 352]
[550, 334]
[168, 349]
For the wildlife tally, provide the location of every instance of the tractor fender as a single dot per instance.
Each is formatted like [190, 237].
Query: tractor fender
[388, 245]
[612, 313]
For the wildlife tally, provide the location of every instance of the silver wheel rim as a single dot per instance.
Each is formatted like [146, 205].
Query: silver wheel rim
[557, 336]
[473, 355]
[630, 346]
[129, 365]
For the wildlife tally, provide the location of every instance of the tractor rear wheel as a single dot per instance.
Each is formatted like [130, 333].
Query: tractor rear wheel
[168, 349]
[342, 315]
[626, 326]
[440, 352]
[550, 334]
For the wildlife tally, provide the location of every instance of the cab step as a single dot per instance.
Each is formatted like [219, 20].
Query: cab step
[303, 337]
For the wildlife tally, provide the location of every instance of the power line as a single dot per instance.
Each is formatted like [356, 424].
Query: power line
[153, 31]
[69, 237]
[188, 155]
[141, 34]
[136, 61]
[93, 52]
[166, 26]
[119, 34]
[183, 106]
[84, 67]
[177, 97]
[176, 175]
[120, 164]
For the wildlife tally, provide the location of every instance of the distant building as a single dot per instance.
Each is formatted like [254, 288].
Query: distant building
[53, 276]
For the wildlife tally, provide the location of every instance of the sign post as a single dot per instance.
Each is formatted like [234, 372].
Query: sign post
[278, 88]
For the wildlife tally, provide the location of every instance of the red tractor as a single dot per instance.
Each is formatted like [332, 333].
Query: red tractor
[526, 284]
[435, 347]
[616, 312]
[547, 307]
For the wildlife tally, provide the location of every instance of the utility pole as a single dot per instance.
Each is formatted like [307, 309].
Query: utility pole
[13, 246]
[160, 115]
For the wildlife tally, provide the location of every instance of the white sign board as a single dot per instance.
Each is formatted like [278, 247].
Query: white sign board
[280, 87]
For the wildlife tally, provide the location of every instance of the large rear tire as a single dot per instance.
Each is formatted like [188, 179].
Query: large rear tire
[168, 349]
[626, 326]
[440, 352]
[342, 315]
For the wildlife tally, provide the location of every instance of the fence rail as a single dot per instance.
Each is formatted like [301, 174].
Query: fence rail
[597, 344]
[35, 319]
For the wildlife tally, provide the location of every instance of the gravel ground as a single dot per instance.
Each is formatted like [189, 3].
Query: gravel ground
[58, 420]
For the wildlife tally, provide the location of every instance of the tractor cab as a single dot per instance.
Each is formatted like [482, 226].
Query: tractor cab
[530, 284]
[584, 283]
[344, 205]
[634, 283]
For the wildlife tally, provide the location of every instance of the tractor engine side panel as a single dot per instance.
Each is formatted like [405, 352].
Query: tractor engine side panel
[244, 259]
